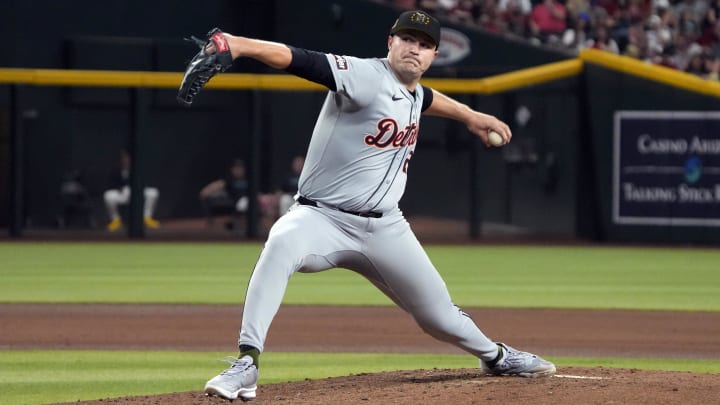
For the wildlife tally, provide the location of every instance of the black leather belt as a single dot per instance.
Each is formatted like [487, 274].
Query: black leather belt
[370, 214]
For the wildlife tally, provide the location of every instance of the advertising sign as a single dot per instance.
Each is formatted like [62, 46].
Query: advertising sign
[454, 47]
[666, 168]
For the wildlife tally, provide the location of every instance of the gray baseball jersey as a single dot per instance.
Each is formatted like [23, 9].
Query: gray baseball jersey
[357, 161]
[364, 137]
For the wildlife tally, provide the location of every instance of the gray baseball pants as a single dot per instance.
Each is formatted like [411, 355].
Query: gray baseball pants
[383, 250]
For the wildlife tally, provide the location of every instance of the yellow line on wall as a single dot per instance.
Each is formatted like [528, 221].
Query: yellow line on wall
[281, 82]
[114, 78]
[533, 76]
[240, 81]
[508, 81]
[651, 72]
[91, 78]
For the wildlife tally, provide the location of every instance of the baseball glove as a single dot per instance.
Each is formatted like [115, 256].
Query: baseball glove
[214, 57]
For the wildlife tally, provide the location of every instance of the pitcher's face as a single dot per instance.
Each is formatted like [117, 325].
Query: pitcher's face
[410, 53]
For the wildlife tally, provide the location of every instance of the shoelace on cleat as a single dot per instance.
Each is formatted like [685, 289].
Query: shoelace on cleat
[237, 366]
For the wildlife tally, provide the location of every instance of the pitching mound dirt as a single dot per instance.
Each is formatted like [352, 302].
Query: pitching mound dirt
[572, 385]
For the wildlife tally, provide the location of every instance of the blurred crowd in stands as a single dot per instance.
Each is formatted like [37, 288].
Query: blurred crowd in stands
[679, 34]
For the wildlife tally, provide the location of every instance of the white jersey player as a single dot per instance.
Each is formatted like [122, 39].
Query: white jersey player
[347, 213]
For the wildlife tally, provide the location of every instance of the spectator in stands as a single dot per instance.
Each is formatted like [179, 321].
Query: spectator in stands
[547, 21]
[469, 11]
[663, 32]
[715, 46]
[692, 10]
[660, 4]
[638, 11]
[608, 7]
[666, 59]
[524, 6]
[697, 66]
[119, 194]
[713, 67]
[684, 49]
[230, 195]
[658, 32]
[689, 25]
[629, 14]
[576, 35]
[440, 8]
[577, 7]
[601, 40]
[636, 46]
[515, 18]
[653, 55]
[227, 193]
[491, 18]
[290, 185]
[708, 27]
[715, 7]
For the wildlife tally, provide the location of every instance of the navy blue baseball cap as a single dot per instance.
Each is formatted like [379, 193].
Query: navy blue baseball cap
[418, 21]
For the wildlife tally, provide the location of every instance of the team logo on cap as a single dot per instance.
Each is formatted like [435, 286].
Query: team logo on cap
[420, 18]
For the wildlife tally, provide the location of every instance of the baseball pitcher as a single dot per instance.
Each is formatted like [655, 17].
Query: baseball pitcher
[346, 213]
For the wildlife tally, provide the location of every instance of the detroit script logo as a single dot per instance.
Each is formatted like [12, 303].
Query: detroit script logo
[388, 135]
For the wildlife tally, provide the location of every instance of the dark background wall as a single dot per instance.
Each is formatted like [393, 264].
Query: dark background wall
[69, 129]
[554, 179]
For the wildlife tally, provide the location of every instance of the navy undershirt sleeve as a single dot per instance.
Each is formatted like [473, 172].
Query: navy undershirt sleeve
[427, 98]
[311, 65]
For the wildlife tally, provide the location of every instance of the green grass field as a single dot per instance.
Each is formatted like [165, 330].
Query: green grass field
[36, 377]
[558, 277]
[550, 277]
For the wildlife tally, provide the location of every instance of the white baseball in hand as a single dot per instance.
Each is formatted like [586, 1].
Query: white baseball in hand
[495, 139]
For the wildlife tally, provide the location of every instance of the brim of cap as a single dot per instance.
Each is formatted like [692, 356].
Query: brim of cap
[413, 29]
